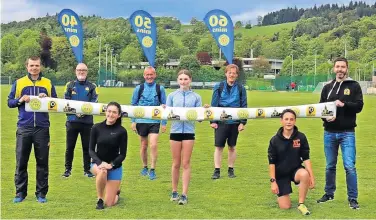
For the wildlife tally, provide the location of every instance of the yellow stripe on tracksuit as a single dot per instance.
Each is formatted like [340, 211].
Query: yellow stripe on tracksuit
[26, 82]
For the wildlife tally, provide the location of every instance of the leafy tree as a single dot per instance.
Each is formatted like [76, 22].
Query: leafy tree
[199, 28]
[238, 36]
[193, 21]
[190, 40]
[27, 49]
[130, 55]
[9, 47]
[161, 57]
[189, 62]
[261, 65]
[205, 45]
[62, 53]
[238, 24]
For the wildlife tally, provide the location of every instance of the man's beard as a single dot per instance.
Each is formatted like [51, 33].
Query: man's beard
[341, 75]
[81, 78]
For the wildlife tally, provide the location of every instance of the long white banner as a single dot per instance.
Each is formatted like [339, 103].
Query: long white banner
[36, 104]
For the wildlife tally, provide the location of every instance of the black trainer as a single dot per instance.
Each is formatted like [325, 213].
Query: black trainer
[67, 173]
[216, 175]
[89, 174]
[325, 198]
[231, 173]
[353, 204]
[100, 204]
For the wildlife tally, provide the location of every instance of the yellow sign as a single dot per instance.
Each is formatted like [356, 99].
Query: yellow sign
[35, 104]
[147, 41]
[102, 110]
[209, 114]
[346, 92]
[223, 40]
[191, 114]
[74, 41]
[311, 111]
[243, 114]
[156, 113]
[260, 113]
[87, 108]
[138, 112]
[52, 106]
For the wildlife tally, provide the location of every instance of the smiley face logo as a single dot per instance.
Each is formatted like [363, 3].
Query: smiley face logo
[223, 40]
[74, 40]
[87, 108]
[147, 41]
[191, 115]
[35, 104]
[139, 112]
[243, 114]
[296, 110]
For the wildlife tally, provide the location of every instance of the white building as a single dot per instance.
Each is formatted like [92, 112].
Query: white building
[276, 65]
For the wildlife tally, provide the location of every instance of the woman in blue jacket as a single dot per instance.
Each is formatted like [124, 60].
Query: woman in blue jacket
[182, 135]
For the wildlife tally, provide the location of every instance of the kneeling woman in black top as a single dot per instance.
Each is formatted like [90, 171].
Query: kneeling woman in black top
[287, 151]
[108, 148]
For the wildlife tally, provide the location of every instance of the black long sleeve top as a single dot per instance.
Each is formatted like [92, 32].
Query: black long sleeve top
[108, 143]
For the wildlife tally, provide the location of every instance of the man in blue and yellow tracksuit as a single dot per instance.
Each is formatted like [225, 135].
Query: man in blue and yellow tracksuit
[231, 94]
[82, 90]
[32, 128]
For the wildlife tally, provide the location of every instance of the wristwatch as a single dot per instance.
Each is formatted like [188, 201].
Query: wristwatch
[272, 180]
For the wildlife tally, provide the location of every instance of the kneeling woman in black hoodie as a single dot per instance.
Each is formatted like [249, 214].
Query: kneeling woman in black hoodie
[108, 148]
[287, 150]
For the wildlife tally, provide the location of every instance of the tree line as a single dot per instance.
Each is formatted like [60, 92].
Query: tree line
[312, 39]
[326, 11]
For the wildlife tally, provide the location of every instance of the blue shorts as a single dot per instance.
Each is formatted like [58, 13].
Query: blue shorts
[113, 174]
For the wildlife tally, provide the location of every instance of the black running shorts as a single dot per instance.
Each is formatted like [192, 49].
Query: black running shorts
[144, 129]
[225, 132]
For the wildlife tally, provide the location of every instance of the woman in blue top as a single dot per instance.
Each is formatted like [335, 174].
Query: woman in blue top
[182, 135]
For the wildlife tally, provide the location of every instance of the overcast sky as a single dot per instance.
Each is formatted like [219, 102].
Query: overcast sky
[184, 10]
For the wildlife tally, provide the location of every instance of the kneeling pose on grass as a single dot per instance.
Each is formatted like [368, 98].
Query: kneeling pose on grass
[287, 150]
[108, 148]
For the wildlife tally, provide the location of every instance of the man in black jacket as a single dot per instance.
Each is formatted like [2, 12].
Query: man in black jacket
[340, 131]
[288, 149]
[79, 89]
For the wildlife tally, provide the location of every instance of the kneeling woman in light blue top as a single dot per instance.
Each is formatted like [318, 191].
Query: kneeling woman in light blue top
[182, 135]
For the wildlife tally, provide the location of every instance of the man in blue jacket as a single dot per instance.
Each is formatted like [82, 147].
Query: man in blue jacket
[79, 89]
[32, 128]
[148, 94]
[228, 93]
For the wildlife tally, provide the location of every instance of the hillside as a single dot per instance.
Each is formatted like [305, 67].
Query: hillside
[300, 40]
